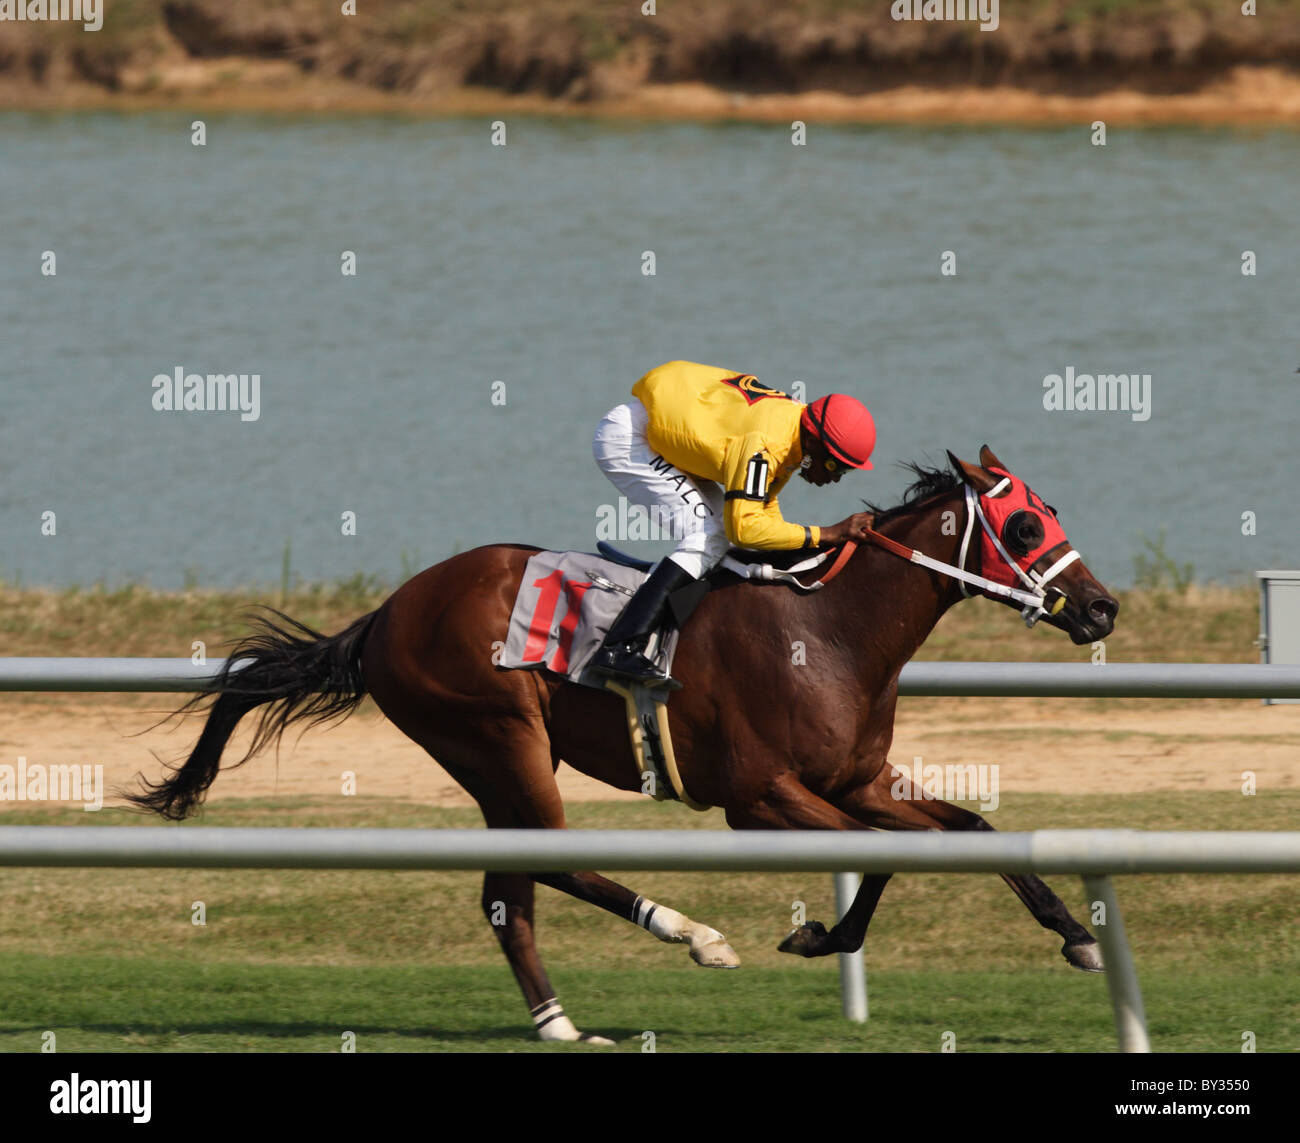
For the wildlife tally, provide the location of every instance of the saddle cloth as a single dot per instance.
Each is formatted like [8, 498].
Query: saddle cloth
[567, 602]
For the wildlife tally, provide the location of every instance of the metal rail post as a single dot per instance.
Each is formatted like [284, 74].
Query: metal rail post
[1121, 974]
[853, 966]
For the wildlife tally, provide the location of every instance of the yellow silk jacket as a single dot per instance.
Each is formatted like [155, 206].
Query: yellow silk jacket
[728, 427]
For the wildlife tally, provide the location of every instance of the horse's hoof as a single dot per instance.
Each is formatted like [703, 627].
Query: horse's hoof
[715, 954]
[559, 1029]
[708, 946]
[806, 940]
[1085, 956]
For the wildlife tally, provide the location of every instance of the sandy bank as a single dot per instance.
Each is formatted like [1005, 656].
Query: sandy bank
[1048, 61]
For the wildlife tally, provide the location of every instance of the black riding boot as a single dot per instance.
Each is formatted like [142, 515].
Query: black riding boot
[622, 654]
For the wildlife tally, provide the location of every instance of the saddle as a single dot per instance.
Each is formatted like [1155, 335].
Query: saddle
[568, 601]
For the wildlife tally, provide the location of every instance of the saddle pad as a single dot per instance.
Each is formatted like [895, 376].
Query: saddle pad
[567, 602]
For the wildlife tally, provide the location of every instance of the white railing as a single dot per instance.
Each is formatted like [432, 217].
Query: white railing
[1093, 854]
[1025, 680]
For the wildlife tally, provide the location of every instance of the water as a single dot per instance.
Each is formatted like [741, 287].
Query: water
[481, 264]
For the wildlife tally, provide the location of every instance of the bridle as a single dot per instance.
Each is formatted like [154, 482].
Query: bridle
[1037, 599]
[1038, 583]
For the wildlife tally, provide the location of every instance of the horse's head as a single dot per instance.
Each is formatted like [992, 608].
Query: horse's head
[1020, 543]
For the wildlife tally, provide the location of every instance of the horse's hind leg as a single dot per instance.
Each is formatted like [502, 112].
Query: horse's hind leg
[521, 793]
[508, 905]
[708, 946]
[514, 786]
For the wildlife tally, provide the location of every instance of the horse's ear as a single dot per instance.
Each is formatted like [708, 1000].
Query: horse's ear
[989, 460]
[972, 474]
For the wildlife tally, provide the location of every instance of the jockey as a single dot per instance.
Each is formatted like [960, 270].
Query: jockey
[712, 448]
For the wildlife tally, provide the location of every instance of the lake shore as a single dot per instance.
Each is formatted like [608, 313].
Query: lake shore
[1249, 97]
[1041, 61]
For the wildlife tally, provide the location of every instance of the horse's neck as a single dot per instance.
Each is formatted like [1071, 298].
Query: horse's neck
[936, 531]
[910, 591]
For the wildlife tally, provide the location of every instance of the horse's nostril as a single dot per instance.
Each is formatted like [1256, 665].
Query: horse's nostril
[1103, 610]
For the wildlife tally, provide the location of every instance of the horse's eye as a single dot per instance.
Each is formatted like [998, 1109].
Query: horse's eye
[1022, 532]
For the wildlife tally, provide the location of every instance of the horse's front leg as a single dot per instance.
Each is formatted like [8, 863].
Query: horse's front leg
[888, 803]
[788, 805]
[849, 932]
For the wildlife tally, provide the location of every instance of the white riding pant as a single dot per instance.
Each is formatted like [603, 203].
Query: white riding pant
[681, 507]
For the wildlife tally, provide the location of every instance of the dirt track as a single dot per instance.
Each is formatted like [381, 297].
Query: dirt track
[1064, 746]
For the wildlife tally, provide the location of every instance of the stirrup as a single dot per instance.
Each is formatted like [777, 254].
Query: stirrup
[630, 664]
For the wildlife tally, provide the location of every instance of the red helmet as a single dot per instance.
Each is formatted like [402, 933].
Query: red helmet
[844, 426]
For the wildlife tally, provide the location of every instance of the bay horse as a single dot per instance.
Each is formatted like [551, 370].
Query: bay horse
[779, 741]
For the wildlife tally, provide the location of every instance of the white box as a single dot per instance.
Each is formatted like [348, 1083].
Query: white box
[1279, 619]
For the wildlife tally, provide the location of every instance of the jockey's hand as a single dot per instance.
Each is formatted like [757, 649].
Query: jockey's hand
[853, 528]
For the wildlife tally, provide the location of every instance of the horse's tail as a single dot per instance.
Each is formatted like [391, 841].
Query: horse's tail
[303, 675]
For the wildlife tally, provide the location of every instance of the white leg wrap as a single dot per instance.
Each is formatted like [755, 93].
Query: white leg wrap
[552, 1024]
[666, 924]
[560, 1028]
[708, 946]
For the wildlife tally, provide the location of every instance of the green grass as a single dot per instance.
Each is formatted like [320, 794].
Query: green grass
[109, 959]
[96, 1004]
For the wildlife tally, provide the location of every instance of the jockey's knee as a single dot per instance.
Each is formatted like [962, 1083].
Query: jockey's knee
[716, 547]
[700, 552]
[692, 563]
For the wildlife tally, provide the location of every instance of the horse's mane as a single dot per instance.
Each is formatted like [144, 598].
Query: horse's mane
[929, 483]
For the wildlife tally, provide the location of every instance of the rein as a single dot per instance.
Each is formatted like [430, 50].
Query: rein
[1033, 603]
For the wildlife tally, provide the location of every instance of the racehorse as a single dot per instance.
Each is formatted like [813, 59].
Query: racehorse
[779, 741]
